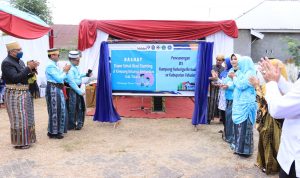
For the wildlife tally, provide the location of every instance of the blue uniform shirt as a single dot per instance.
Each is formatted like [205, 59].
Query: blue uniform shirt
[74, 79]
[54, 74]
[229, 91]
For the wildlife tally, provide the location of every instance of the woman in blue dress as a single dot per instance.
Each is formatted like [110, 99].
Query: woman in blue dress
[244, 106]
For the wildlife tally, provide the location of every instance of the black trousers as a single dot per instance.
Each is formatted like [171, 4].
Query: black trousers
[292, 173]
[222, 115]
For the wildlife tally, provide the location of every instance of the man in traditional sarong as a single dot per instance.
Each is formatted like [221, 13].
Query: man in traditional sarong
[54, 95]
[213, 110]
[18, 99]
[75, 102]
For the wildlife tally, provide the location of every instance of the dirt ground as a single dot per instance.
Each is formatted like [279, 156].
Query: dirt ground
[160, 148]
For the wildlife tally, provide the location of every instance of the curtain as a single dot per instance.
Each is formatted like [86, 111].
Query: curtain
[90, 56]
[51, 39]
[223, 44]
[105, 110]
[149, 30]
[203, 68]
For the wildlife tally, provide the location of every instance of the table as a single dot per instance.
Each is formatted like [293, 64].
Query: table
[189, 94]
[174, 94]
[90, 95]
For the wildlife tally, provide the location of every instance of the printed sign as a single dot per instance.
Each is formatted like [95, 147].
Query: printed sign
[153, 67]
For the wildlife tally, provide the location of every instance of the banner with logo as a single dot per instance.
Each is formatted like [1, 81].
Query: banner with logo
[153, 67]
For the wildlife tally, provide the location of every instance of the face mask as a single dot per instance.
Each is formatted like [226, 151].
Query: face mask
[20, 55]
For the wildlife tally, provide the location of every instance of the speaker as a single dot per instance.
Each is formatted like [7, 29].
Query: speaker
[158, 104]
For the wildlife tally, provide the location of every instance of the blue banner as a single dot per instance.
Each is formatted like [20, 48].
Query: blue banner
[153, 67]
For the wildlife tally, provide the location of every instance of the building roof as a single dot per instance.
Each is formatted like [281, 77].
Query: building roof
[65, 36]
[272, 15]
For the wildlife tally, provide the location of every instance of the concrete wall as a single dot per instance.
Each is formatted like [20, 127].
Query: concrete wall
[242, 44]
[272, 45]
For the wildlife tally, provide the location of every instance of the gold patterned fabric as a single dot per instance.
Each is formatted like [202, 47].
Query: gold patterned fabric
[269, 137]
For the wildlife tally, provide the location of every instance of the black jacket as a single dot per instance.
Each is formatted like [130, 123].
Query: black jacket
[14, 71]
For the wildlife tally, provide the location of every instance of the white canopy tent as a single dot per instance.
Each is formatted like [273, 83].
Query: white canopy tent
[29, 31]
[35, 49]
[223, 44]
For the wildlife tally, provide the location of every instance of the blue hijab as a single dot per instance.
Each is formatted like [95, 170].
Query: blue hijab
[244, 98]
[227, 68]
[246, 65]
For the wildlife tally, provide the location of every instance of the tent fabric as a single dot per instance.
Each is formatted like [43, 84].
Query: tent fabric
[35, 49]
[223, 44]
[19, 24]
[90, 56]
[149, 30]
[51, 39]
[105, 110]
[203, 68]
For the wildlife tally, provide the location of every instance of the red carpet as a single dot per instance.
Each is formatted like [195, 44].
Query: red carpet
[176, 107]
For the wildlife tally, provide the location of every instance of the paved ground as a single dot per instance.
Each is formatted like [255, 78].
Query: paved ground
[159, 148]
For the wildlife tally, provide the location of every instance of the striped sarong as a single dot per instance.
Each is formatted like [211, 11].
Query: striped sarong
[243, 138]
[76, 110]
[20, 111]
[229, 125]
[56, 110]
[213, 101]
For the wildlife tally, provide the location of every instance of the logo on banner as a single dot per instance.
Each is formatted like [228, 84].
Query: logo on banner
[153, 47]
[141, 48]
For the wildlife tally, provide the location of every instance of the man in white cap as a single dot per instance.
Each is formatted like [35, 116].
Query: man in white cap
[75, 102]
[18, 99]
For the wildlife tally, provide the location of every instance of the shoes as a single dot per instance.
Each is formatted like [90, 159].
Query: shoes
[50, 135]
[59, 136]
[22, 147]
[220, 131]
[78, 128]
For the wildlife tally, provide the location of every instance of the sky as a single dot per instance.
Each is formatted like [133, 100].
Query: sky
[73, 11]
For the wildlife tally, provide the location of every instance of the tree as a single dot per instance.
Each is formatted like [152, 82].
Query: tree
[293, 49]
[35, 7]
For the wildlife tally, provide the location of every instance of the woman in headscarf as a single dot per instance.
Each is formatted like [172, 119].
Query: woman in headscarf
[244, 106]
[229, 86]
[222, 93]
[269, 129]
